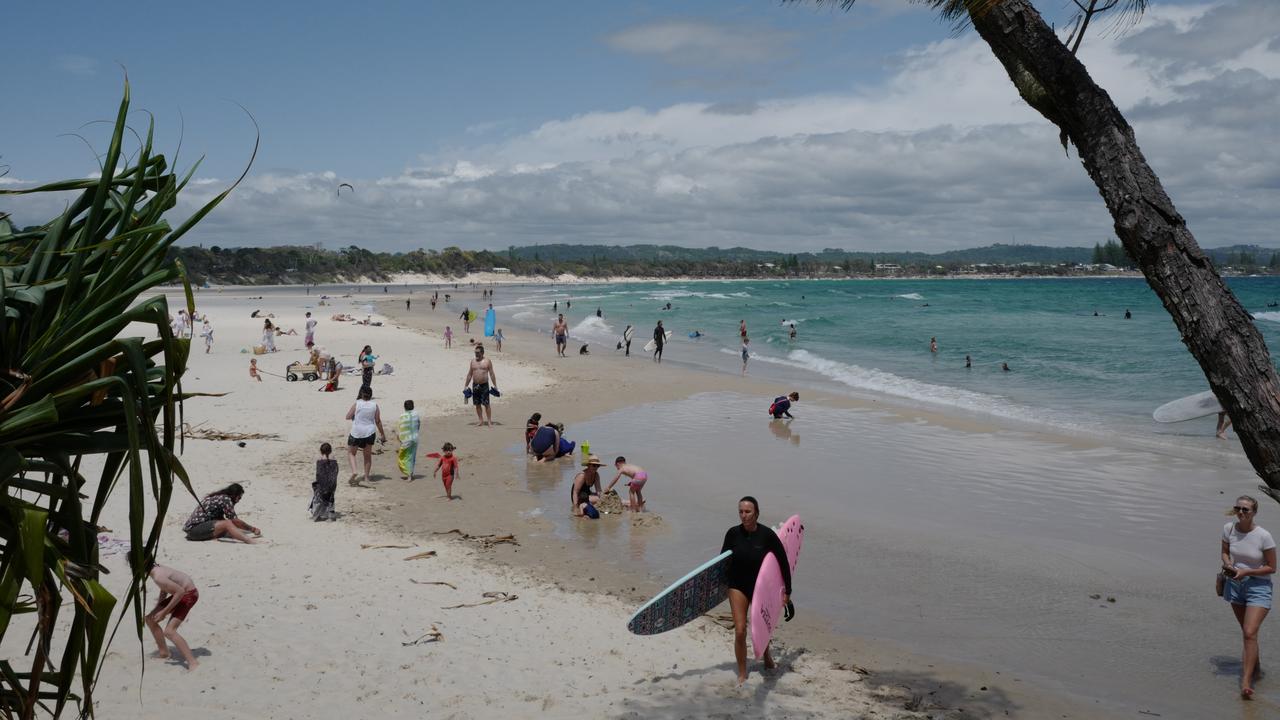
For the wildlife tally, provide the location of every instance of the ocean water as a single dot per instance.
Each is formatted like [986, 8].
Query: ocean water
[1070, 370]
[996, 548]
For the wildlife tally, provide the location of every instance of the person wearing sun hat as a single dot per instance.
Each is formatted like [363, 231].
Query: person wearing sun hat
[581, 498]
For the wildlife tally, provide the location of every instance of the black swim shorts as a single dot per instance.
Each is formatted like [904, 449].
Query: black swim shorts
[480, 394]
[361, 442]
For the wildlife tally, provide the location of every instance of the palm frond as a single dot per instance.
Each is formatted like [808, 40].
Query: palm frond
[73, 386]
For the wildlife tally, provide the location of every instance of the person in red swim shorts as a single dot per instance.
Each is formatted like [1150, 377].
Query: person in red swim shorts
[178, 594]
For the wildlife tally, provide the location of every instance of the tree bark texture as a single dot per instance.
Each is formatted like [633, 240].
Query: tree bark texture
[1219, 332]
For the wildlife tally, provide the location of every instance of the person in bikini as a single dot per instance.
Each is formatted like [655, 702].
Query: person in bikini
[635, 486]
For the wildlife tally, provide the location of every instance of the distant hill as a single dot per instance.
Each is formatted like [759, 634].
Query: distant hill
[306, 265]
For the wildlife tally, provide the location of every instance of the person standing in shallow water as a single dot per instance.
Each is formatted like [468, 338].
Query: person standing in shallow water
[1248, 562]
[750, 542]
[659, 339]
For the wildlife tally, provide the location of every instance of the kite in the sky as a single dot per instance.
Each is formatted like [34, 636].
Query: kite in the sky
[344, 185]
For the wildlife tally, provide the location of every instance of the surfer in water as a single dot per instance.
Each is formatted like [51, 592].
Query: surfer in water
[750, 542]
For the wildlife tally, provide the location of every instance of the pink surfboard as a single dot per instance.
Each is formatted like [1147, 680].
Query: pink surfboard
[766, 600]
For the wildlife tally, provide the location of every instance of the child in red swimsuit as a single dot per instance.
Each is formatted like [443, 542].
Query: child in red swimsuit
[448, 463]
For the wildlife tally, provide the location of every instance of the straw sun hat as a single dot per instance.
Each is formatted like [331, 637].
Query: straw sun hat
[594, 460]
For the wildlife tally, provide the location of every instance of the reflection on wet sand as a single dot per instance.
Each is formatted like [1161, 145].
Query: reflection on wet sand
[781, 429]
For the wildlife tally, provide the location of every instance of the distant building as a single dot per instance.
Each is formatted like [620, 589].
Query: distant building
[502, 270]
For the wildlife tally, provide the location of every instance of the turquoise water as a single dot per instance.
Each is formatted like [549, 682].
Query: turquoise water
[1070, 369]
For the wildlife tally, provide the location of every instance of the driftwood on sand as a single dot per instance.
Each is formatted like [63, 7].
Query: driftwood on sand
[203, 433]
[494, 596]
[421, 555]
[484, 541]
[451, 586]
[364, 546]
[432, 635]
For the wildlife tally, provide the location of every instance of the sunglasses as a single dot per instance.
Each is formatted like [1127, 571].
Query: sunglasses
[1244, 510]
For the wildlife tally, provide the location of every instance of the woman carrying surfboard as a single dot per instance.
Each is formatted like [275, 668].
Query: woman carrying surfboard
[750, 543]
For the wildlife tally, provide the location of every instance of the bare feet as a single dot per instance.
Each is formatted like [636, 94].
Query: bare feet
[192, 665]
[1246, 693]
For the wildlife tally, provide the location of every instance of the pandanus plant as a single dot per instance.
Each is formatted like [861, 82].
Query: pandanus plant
[78, 381]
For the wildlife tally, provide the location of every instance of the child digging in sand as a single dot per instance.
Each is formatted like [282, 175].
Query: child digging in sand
[448, 467]
[178, 595]
[635, 486]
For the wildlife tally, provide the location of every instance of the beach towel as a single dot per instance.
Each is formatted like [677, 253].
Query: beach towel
[410, 423]
[323, 489]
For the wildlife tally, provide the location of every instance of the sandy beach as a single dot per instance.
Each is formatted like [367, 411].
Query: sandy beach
[335, 619]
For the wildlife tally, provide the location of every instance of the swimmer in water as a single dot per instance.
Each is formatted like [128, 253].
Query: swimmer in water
[1005, 367]
[967, 362]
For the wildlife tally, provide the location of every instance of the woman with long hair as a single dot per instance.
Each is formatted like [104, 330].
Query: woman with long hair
[215, 516]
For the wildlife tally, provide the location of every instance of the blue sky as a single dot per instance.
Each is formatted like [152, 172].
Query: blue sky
[752, 123]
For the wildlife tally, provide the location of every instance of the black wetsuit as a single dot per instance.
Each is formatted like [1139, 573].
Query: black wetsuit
[781, 406]
[749, 550]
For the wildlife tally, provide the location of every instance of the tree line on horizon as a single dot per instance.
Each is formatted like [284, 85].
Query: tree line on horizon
[293, 264]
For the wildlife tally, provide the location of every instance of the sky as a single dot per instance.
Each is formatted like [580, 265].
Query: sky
[791, 127]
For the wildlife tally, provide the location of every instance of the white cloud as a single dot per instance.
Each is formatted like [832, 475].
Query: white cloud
[698, 42]
[941, 155]
[77, 65]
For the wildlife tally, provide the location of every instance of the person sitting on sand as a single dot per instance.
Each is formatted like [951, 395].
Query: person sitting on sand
[580, 493]
[782, 406]
[447, 468]
[215, 516]
[178, 594]
[253, 369]
[583, 350]
[635, 486]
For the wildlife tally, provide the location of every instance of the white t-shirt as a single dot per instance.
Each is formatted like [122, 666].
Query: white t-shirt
[363, 424]
[311, 324]
[1247, 548]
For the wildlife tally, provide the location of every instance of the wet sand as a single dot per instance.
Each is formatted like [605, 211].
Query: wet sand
[561, 650]
[700, 466]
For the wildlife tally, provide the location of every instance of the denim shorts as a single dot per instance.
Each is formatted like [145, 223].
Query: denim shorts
[1252, 591]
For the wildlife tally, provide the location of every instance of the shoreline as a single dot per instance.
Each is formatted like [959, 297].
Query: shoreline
[951, 684]
[472, 279]
[814, 685]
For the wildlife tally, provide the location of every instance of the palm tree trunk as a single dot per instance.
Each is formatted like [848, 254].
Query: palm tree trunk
[1215, 328]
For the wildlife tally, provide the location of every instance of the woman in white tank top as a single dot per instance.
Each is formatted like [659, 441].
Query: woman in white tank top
[366, 421]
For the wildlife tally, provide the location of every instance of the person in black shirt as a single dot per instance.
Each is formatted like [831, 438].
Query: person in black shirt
[659, 339]
[750, 542]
